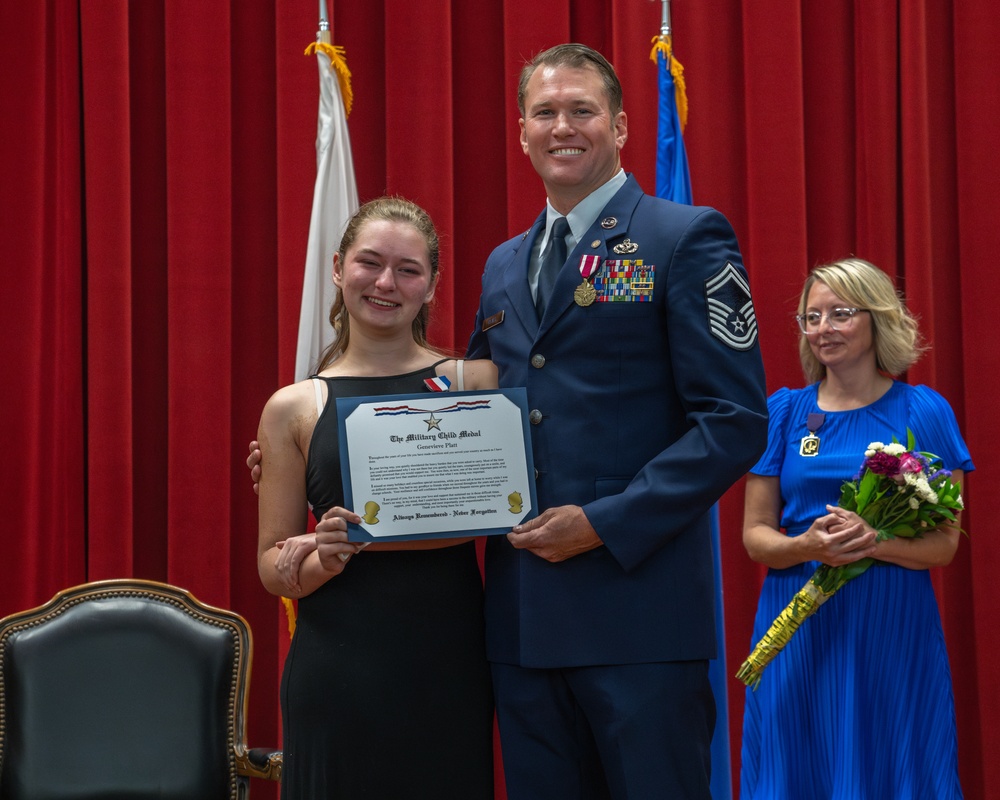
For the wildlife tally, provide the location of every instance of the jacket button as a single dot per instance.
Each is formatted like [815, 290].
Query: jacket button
[534, 416]
[538, 361]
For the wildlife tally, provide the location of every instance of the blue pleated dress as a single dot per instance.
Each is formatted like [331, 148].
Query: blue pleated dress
[859, 704]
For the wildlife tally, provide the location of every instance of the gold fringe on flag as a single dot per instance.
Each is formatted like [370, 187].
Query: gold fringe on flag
[290, 613]
[665, 45]
[338, 64]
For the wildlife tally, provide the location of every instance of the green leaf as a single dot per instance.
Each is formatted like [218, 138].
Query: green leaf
[850, 571]
[848, 496]
[868, 487]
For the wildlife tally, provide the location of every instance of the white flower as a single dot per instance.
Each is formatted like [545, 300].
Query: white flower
[914, 503]
[894, 449]
[873, 448]
[923, 490]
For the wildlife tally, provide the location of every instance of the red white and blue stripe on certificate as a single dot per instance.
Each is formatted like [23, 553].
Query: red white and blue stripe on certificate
[438, 384]
[461, 405]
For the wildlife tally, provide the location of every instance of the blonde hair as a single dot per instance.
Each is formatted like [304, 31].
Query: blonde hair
[897, 340]
[387, 209]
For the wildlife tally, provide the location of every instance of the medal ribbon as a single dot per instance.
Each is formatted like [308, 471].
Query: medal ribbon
[588, 266]
[809, 446]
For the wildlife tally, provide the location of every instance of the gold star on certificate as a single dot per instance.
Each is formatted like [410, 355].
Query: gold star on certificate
[433, 422]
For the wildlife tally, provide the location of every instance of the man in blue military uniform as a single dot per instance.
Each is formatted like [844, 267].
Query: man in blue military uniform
[646, 388]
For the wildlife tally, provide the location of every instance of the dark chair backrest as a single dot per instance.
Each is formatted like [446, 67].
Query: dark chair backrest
[123, 689]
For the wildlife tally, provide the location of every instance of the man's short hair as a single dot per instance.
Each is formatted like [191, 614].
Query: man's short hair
[575, 56]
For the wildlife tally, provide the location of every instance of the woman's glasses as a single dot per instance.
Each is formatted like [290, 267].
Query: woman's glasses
[839, 319]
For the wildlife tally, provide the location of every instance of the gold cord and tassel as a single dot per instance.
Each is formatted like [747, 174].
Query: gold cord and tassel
[290, 614]
[664, 45]
[338, 64]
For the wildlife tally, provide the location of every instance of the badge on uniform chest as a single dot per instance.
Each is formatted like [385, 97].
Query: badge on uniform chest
[809, 446]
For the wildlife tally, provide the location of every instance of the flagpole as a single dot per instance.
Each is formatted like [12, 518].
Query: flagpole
[673, 182]
[335, 198]
[323, 35]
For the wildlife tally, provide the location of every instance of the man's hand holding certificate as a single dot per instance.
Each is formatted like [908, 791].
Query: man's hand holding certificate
[441, 465]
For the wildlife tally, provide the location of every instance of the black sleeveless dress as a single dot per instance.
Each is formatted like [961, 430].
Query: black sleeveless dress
[386, 690]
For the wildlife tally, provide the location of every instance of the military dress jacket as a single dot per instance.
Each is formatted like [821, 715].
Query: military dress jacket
[647, 403]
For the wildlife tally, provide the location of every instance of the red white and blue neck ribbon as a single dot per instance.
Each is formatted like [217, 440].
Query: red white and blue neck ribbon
[438, 384]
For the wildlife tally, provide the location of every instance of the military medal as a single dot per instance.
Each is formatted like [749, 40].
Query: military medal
[585, 294]
[809, 446]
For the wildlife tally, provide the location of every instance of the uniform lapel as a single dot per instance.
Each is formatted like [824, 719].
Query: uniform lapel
[515, 278]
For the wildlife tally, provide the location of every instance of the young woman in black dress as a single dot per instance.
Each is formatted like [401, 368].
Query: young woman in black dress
[386, 689]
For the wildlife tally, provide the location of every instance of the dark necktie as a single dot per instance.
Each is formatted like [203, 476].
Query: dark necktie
[554, 259]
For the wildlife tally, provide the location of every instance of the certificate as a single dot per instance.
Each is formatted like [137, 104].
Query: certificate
[449, 464]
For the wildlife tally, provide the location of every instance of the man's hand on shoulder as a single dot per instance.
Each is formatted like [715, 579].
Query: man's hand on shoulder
[253, 464]
[556, 534]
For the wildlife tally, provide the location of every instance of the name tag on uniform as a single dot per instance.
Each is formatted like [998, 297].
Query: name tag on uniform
[492, 321]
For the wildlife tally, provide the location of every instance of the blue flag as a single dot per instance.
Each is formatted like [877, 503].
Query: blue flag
[673, 182]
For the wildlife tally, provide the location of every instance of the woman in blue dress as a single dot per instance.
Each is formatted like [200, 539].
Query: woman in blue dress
[859, 703]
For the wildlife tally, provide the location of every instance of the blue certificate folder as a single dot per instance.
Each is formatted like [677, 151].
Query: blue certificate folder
[437, 464]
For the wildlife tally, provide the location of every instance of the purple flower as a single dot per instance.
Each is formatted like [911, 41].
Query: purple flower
[938, 477]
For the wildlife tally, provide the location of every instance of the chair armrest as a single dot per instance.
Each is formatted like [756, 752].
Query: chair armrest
[259, 762]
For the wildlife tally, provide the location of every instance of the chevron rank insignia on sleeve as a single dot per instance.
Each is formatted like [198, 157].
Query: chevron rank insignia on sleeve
[731, 317]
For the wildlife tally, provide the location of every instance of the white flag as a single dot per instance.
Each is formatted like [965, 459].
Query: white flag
[335, 199]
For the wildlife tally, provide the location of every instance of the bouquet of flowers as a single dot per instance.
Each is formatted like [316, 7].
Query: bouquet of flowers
[899, 492]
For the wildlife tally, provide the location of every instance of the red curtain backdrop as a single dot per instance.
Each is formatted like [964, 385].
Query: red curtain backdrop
[155, 188]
